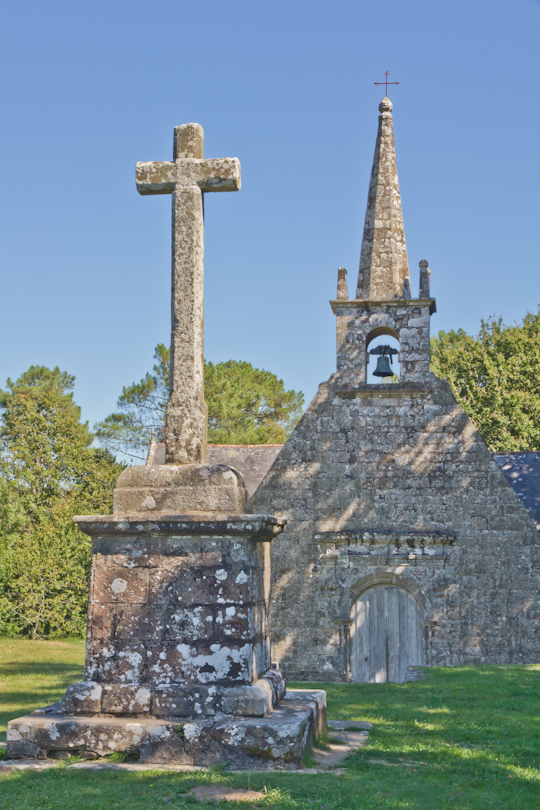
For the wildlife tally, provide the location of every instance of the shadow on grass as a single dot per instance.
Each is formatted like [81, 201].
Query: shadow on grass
[477, 722]
[21, 669]
[26, 686]
[465, 738]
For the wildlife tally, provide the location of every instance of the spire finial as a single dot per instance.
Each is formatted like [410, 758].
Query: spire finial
[384, 269]
[386, 83]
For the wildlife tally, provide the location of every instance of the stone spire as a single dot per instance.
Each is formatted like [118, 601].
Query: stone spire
[384, 269]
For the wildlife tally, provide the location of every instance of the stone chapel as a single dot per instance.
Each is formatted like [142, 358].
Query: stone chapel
[405, 544]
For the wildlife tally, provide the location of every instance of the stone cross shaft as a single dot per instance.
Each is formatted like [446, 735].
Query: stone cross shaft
[187, 178]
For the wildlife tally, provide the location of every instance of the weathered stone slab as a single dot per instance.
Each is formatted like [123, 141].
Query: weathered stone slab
[251, 461]
[278, 740]
[340, 745]
[255, 700]
[97, 734]
[213, 793]
[82, 698]
[185, 700]
[126, 699]
[180, 488]
[188, 700]
[170, 750]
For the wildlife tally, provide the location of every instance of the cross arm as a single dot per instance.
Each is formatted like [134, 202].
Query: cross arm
[156, 177]
[161, 177]
[219, 174]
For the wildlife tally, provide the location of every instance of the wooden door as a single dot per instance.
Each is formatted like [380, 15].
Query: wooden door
[386, 635]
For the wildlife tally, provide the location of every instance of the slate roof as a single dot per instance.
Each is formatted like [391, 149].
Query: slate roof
[523, 471]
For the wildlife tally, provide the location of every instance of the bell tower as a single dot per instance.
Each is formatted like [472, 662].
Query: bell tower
[383, 304]
[405, 545]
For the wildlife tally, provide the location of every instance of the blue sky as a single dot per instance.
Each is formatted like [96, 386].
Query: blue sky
[90, 88]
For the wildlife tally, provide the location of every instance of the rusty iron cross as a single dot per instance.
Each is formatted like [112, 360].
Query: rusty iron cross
[386, 82]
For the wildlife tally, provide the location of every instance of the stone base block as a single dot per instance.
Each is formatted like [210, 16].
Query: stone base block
[180, 488]
[175, 700]
[276, 741]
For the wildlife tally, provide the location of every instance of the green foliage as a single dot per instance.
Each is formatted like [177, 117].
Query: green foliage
[246, 405]
[48, 473]
[495, 376]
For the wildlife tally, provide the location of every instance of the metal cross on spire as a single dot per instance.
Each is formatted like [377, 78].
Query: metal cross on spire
[386, 82]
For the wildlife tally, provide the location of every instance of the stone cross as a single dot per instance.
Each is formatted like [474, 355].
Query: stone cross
[187, 178]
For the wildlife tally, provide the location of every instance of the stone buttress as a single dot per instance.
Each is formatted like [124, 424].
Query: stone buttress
[178, 666]
[389, 486]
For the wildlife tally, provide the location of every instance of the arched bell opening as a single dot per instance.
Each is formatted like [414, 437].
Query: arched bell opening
[382, 356]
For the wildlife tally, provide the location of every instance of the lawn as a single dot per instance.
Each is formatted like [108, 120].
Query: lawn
[466, 738]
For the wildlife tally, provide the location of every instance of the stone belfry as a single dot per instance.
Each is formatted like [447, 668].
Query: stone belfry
[404, 545]
[383, 304]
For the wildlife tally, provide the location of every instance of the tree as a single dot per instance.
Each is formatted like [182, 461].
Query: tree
[48, 473]
[495, 376]
[246, 405]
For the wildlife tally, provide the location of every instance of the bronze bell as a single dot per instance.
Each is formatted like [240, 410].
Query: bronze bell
[383, 367]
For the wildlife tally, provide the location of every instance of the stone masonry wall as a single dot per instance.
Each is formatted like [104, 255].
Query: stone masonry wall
[168, 609]
[392, 484]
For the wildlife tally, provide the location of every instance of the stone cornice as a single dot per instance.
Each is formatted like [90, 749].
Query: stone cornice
[254, 527]
[343, 307]
[387, 536]
[380, 392]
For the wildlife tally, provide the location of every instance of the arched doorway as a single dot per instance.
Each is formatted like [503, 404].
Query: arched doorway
[386, 635]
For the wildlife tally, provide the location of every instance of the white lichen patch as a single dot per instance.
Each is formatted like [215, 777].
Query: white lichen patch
[161, 732]
[241, 578]
[142, 696]
[234, 735]
[191, 731]
[13, 735]
[118, 586]
[52, 729]
[219, 662]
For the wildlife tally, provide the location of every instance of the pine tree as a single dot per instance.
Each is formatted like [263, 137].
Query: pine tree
[246, 405]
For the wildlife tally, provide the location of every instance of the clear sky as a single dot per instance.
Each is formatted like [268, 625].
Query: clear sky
[90, 88]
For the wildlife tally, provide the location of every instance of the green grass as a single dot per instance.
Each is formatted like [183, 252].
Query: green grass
[466, 738]
[34, 674]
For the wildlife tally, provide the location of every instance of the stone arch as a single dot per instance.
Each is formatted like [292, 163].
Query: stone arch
[381, 330]
[387, 578]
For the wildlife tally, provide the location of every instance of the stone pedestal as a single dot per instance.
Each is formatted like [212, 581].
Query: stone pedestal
[178, 645]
